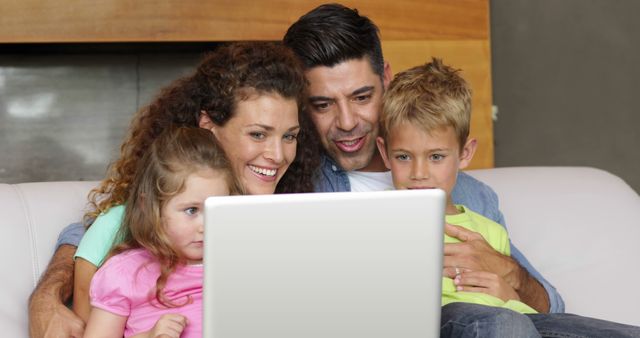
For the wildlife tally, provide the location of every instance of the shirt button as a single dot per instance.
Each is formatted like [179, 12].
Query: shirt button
[334, 168]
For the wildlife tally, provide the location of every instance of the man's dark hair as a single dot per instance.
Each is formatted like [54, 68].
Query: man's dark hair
[333, 33]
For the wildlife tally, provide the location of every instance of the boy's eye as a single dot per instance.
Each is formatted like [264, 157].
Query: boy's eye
[191, 210]
[402, 157]
[437, 157]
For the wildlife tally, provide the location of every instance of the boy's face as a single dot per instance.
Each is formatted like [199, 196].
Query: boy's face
[421, 160]
[344, 103]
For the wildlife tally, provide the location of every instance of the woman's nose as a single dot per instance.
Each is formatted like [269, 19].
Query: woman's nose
[275, 152]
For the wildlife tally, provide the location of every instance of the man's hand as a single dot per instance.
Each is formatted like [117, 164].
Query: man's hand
[473, 253]
[485, 282]
[48, 316]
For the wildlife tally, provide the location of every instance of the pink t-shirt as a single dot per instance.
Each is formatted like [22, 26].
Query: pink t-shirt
[125, 286]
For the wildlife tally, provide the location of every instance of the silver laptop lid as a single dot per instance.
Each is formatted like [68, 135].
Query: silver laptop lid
[324, 265]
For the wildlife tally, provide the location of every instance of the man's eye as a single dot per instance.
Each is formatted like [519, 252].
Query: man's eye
[320, 105]
[361, 98]
[191, 211]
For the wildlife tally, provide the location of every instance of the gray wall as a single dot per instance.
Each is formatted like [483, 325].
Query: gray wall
[63, 115]
[566, 81]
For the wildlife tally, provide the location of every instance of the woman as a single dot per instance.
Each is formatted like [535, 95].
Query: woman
[250, 95]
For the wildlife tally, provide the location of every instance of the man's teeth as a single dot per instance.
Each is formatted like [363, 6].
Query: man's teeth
[263, 171]
[350, 143]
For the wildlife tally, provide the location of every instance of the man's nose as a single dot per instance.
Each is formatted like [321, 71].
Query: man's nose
[347, 118]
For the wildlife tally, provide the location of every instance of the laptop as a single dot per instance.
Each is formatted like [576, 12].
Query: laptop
[359, 264]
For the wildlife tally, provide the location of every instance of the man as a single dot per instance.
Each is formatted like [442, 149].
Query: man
[347, 76]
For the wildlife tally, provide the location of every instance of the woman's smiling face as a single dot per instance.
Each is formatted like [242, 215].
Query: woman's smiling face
[260, 140]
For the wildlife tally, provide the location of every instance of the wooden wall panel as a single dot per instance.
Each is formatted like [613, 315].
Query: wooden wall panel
[412, 31]
[224, 20]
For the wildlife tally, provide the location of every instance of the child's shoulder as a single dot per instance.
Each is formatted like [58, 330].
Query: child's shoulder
[129, 260]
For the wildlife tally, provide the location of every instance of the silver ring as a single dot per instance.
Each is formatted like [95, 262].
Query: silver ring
[457, 271]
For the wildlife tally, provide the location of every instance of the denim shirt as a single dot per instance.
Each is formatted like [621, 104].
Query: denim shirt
[469, 192]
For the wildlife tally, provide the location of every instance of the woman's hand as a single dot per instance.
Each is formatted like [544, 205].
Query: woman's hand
[485, 282]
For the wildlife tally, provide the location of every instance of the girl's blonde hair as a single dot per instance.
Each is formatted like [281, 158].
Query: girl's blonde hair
[164, 169]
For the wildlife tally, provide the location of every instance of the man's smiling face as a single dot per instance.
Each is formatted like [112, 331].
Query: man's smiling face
[344, 103]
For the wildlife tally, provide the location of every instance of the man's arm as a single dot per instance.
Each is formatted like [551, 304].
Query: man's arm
[475, 254]
[48, 316]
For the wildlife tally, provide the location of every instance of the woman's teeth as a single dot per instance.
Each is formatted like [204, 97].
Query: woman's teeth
[263, 171]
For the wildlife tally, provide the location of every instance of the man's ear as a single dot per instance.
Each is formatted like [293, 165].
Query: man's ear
[205, 122]
[467, 152]
[387, 76]
[383, 152]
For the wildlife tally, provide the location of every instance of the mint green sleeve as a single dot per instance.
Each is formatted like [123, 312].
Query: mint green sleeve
[99, 238]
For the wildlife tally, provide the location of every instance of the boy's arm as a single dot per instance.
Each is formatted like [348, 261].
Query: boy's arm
[48, 316]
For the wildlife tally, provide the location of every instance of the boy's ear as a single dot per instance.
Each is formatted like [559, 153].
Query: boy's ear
[387, 76]
[205, 122]
[467, 152]
[383, 152]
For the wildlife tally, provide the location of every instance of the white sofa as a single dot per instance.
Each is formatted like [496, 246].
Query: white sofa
[579, 226]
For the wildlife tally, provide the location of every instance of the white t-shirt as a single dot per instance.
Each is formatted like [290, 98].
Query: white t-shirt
[370, 181]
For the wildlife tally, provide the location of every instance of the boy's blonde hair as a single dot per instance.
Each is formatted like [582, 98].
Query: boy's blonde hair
[432, 96]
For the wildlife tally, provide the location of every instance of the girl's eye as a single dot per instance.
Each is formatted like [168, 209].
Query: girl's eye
[191, 211]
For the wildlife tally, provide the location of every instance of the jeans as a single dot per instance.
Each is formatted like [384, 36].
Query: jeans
[473, 320]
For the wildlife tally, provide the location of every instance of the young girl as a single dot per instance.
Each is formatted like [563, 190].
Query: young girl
[152, 284]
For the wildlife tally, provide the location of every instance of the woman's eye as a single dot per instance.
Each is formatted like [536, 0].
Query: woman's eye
[290, 137]
[257, 135]
[191, 211]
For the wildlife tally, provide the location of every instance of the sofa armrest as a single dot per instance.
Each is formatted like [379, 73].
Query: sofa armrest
[579, 227]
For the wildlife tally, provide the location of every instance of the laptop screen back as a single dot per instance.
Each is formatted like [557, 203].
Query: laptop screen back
[324, 265]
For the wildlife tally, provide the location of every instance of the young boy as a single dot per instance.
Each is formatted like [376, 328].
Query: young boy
[424, 140]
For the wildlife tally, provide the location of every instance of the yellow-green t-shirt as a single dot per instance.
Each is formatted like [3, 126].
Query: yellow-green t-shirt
[498, 238]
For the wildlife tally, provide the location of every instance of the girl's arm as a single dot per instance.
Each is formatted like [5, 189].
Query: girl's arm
[104, 324]
[84, 271]
[169, 325]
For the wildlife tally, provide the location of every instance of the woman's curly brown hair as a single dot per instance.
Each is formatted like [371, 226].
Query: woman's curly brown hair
[215, 88]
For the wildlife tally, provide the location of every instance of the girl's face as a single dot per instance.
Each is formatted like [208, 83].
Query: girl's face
[183, 214]
[260, 140]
